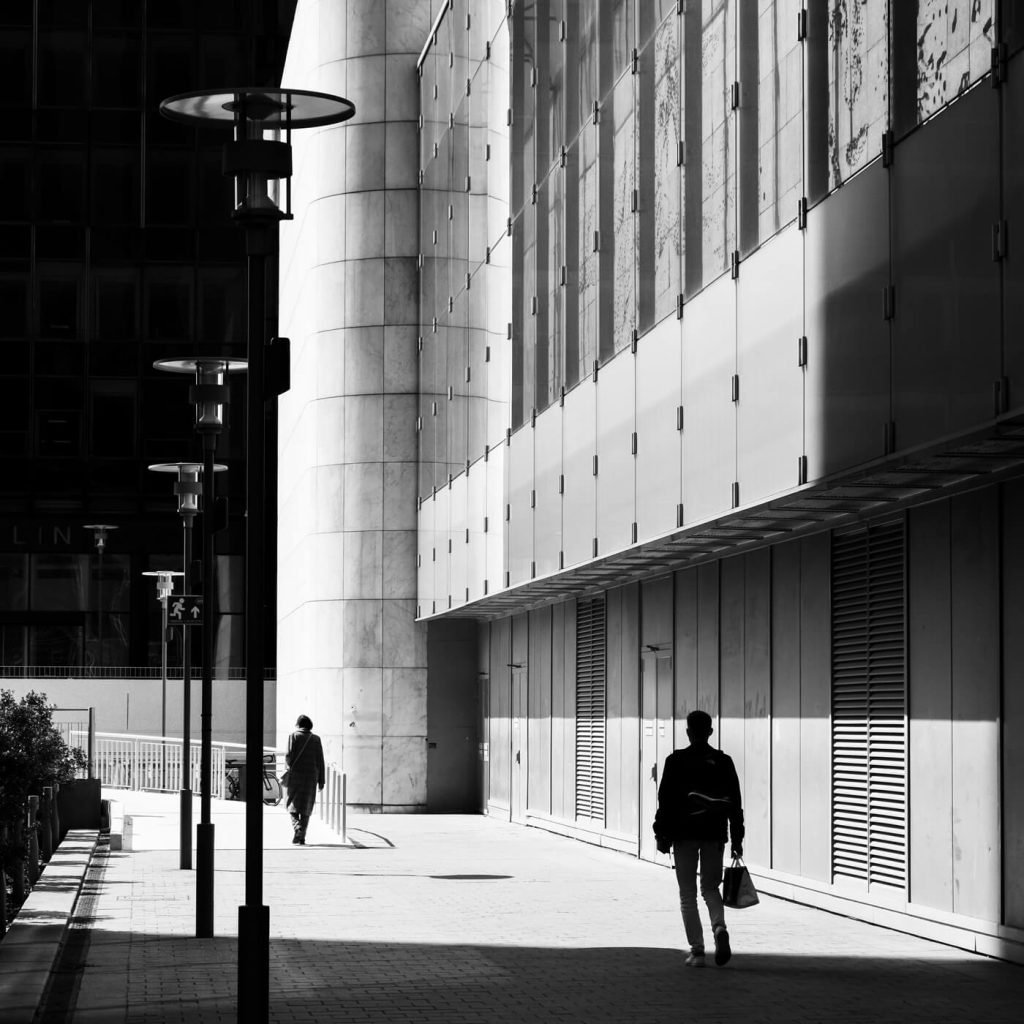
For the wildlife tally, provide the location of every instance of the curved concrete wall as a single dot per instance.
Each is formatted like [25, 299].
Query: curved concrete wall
[350, 653]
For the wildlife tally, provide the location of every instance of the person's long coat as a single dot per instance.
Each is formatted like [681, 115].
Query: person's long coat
[305, 763]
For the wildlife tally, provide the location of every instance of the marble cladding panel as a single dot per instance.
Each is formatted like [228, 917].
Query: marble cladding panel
[400, 495]
[400, 232]
[361, 762]
[400, 443]
[328, 32]
[325, 556]
[364, 157]
[407, 23]
[402, 145]
[364, 428]
[401, 291]
[363, 505]
[401, 89]
[401, 360]
[405, 641]
[405, 702]
[399, 564]
[365, 27]
[361, 351]
[331, 434]
[329, 282]
[361, 574]
[361, 634]
[365, 283]
[363, 225]
[328, 173]
[365, 85]
[404, 771]
[329, 499]
[362, 703]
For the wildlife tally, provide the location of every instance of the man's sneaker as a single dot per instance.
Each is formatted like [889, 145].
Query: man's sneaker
[723, 951]
[695, 959]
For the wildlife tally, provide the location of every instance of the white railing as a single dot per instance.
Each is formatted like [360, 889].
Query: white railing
[154, 763]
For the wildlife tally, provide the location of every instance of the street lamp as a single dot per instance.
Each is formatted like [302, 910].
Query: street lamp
[209, 394]
[164, 587]
[257, 163]
[99, 537]
[188, 489]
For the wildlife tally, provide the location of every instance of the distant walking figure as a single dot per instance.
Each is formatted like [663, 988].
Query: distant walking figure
[699, 794]
[305, 764]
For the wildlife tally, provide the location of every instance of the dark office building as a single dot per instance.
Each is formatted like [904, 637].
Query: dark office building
[116, 249]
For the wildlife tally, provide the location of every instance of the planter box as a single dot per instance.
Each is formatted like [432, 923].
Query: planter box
[78, 804]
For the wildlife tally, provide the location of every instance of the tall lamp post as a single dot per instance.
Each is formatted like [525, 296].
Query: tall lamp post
[188, 488]
[209, 394]
[164, 587]
[99, 538]
[255, 161]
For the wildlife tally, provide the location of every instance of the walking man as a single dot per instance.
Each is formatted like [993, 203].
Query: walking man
[698, 798]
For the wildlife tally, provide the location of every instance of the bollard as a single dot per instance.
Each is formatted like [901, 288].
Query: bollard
[18, 866]
[126, 833]
[45, 831]
[55, 829]
[32, 834]
[344, 807]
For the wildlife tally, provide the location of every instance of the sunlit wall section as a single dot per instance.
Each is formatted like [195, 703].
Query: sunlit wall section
[465, 292]
[350, 647]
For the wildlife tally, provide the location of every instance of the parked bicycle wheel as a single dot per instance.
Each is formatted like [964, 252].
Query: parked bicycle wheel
[271, 789]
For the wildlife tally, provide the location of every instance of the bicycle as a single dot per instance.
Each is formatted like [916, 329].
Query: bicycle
[271, 783]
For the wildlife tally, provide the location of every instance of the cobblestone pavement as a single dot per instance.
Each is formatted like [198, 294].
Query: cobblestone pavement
[466, 919]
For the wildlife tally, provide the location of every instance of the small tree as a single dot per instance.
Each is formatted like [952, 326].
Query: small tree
[33, 754]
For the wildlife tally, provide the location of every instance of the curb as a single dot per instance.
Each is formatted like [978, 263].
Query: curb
[30, 948]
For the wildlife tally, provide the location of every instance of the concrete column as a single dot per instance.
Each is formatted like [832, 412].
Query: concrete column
[350, 654]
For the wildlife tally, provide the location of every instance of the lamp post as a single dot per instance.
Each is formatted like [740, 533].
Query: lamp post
[164, 587]
[255, 161]
[99, 537]
[209, 394]
[188, 489]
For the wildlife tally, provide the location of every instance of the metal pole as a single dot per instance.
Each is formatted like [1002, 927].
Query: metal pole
[204, 832]
[185, 793]
[163, 692]
[254, 917]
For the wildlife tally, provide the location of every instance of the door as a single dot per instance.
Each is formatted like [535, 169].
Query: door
[519, 746]
[655, 738]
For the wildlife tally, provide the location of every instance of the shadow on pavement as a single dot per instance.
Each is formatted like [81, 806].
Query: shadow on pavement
[195, 980]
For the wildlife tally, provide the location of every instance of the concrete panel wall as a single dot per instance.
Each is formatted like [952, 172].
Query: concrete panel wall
[499, 732]
[350, 651]
[785, 708]
[1012, 738]
[539, 724]
[928, 705]
[756, 777]
[974, 570]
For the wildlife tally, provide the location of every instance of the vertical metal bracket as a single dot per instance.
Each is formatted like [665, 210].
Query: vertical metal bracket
[999, 55]
[889, 302]
[801, 357]
[999, 239]
[734, 264]
[801, 25]
[735, 494]
[679, 417]
[801, 213]
[801, 469]
[735, 387]
[888, 148]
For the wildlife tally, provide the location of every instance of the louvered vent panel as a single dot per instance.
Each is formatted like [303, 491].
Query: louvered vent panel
[869, 706]
[590, 708]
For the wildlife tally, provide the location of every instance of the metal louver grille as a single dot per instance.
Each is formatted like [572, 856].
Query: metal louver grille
[590, 708]
[869, 790]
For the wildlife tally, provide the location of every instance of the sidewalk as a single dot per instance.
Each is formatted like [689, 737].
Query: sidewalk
[452, 920]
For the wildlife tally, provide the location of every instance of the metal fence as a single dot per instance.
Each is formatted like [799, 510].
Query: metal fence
[77, 728]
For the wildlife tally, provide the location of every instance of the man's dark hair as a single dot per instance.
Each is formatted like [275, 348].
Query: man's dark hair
[304, 722]
[699, 724]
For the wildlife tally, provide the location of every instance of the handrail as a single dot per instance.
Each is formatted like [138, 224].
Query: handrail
[154, 763]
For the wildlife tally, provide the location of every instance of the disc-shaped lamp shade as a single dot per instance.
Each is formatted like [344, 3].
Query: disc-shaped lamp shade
[271, 108]
[188, 486]
[210, 392]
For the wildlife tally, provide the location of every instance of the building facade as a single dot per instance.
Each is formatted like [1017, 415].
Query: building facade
[116, 249]
[718, 404]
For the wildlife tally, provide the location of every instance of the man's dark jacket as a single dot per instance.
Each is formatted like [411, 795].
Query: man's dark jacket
[698, 795]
